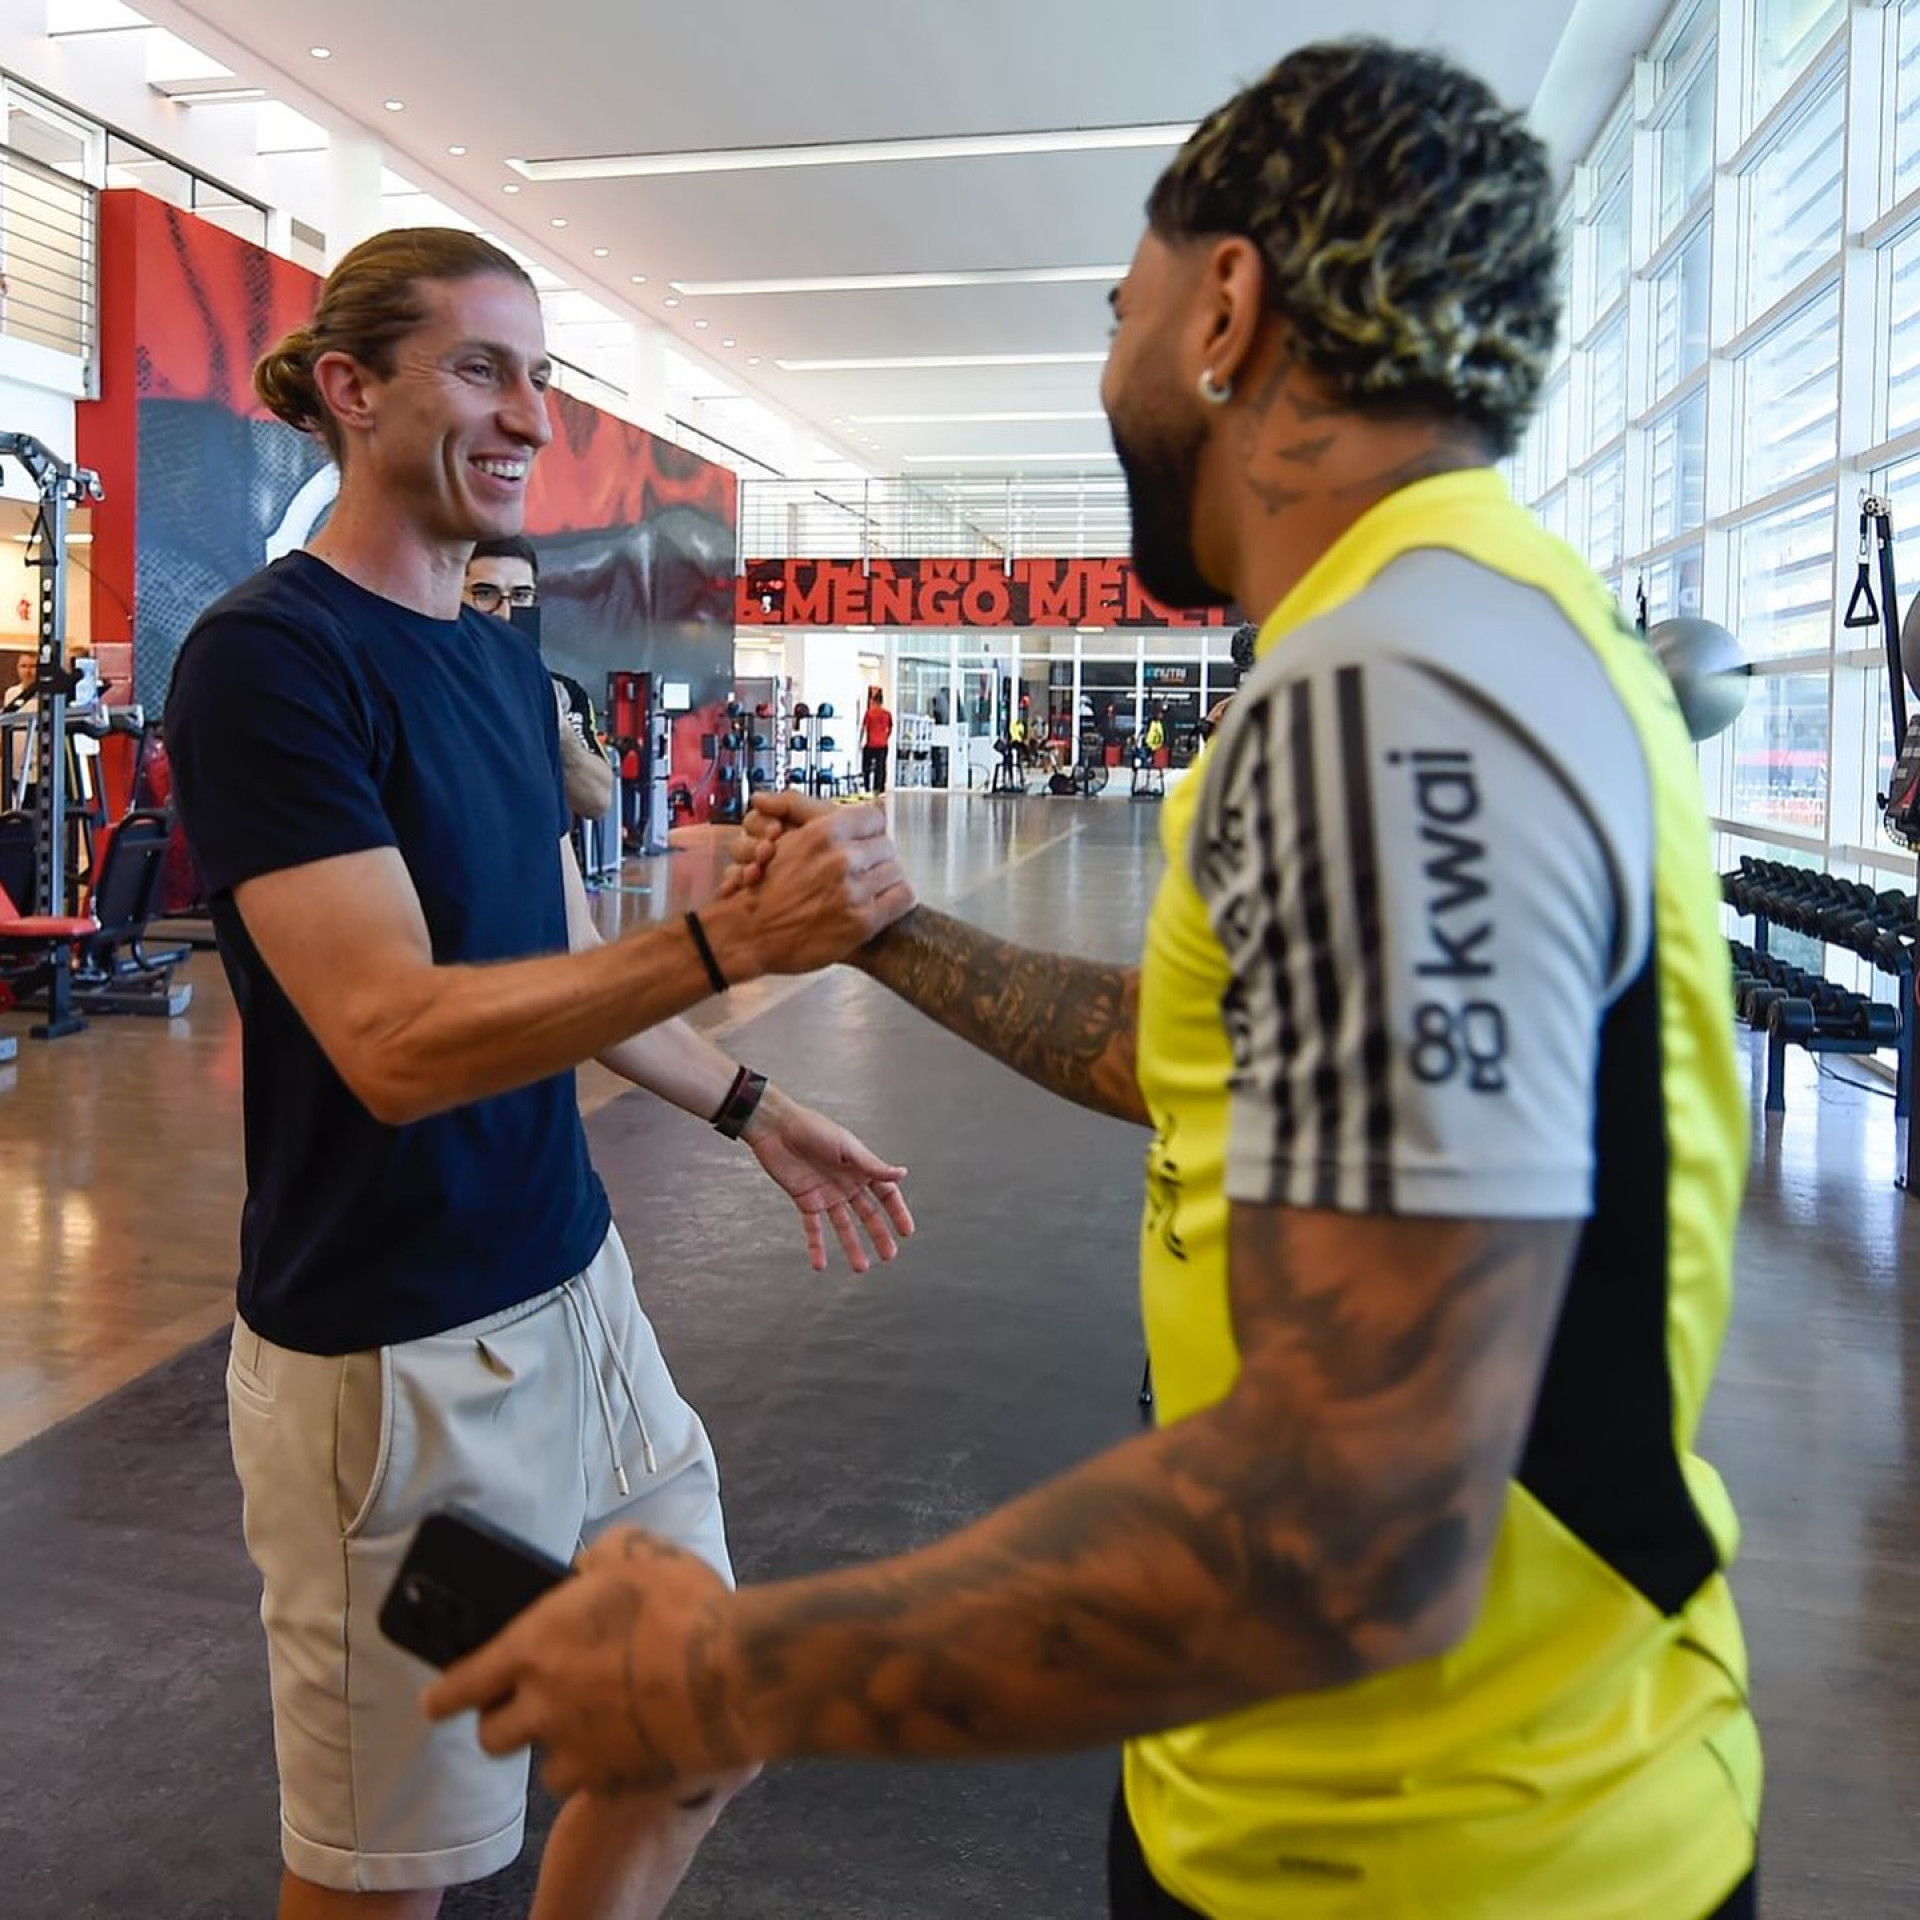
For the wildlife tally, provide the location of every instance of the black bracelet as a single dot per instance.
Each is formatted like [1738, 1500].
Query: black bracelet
[741, 1103]
[700, 940]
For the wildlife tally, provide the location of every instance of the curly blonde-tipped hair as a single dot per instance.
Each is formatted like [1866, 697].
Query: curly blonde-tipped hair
[371, 301]
[1406, 221]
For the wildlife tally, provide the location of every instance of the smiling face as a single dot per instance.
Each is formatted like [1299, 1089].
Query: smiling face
[447, 438]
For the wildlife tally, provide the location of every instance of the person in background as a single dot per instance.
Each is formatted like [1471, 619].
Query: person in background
[26, 670]
[502, 578]
[876, 731]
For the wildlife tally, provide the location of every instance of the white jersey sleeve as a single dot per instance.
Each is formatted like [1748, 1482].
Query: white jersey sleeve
[1424, 842]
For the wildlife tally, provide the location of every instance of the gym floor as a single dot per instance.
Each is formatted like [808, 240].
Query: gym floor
[851, 1417]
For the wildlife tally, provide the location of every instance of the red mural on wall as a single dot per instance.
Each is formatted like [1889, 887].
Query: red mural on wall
[209, 305]
[602, 472]
[955, 593]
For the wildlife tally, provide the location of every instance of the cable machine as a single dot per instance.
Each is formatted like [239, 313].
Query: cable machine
[1900, 804]
[61, 488]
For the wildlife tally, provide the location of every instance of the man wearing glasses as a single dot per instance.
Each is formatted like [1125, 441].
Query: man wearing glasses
[503, 577]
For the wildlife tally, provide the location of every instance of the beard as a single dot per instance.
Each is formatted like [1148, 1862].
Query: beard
[1162, 468]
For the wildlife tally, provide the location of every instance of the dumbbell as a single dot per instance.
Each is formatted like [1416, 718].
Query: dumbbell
[1890, 952]
[1838, 926]
[1800, 1020]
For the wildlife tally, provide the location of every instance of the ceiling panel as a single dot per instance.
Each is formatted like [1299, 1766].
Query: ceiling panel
[598, 76]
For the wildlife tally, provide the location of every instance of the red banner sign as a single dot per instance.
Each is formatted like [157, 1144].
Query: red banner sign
[954, 593]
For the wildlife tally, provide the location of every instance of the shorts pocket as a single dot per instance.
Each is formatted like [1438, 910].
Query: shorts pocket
[247, 1381]
[362, 1437]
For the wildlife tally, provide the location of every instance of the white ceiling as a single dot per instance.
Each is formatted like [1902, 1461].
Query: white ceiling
[509, 79]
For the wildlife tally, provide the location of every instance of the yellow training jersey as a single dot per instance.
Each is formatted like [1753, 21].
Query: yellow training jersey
[1439, 935]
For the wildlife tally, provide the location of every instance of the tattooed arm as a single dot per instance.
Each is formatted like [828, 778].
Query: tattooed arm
[1067, 1025]
[1332, 1518]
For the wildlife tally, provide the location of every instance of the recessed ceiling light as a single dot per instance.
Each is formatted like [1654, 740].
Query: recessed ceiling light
[729, 343]
[973, 146]
[910, 282]
[558, 220]
[394, 106]
[753, 359]
[671, 301]
[321, 53]
[638, 279]
[456, 151]
[912, 363]
[509, 188]
[600, 253]
[703, 323]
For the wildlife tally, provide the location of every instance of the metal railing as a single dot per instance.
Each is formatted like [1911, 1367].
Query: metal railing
[897, 519]
[49, 259]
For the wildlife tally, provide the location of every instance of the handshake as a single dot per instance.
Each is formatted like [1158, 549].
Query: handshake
[809, 882]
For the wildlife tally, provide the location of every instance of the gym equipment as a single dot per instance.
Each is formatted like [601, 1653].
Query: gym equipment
[1796, 1008]
[1900, 804]
[732, 788]
[1008, 777]
[60, 487]
[1711, 676]
[642, 707]
[70, 965]
[813, 749]
[1090, 770]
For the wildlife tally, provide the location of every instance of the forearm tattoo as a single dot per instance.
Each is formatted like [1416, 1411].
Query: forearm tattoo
[1331, 1522]
[1067, 1025]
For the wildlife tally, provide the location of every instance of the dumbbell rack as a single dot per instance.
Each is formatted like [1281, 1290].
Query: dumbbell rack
[733, 753]
[766, 756]
[813, 750]
[1796, 1008]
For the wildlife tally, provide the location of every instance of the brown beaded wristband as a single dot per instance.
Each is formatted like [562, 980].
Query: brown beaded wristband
[741, 1103]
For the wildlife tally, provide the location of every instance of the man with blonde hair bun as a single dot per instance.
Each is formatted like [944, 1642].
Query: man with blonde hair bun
[434, 1306]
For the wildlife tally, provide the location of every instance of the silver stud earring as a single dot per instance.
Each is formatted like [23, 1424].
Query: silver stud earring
[1216, 393]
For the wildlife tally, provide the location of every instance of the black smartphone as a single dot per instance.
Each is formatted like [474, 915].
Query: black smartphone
[463, 1579]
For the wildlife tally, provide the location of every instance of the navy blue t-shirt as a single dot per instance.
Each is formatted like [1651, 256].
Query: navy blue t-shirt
[310, 718]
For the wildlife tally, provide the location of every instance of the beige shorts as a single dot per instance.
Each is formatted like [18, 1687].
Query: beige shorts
[532, 1417]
